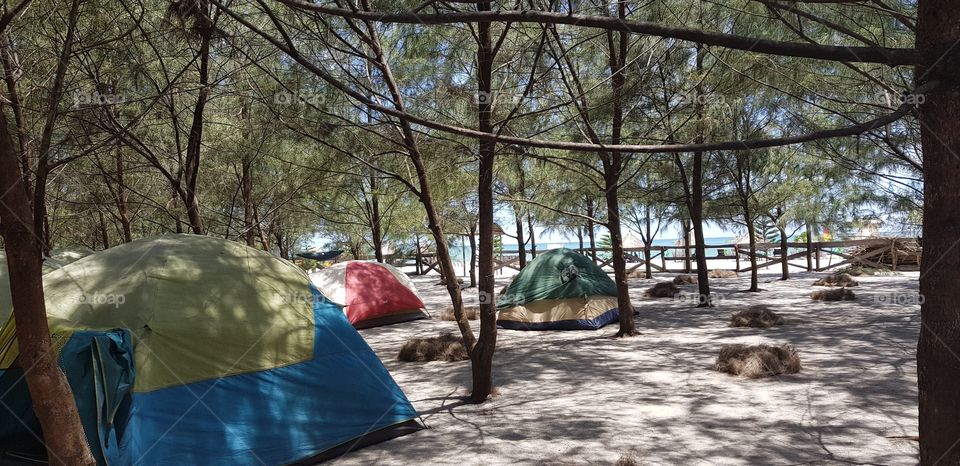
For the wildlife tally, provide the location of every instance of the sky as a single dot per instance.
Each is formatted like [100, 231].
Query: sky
[669, 231]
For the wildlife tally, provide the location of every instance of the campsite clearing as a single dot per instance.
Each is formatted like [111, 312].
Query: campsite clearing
[583, 397]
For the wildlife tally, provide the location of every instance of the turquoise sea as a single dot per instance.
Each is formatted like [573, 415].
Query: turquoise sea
[460, 251]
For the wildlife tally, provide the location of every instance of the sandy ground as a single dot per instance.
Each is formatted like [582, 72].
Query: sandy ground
[583, 397]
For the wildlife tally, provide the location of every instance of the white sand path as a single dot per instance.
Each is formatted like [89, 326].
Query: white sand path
[583, 397]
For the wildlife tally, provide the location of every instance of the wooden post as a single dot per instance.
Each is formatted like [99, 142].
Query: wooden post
[893, 253]
[663, 259]
[736, 254]
[419, 258]
[817, 249]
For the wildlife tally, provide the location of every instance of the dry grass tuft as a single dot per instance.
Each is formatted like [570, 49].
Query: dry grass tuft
[758, 361]
[662, 290]
[685, 280]
[757, 316]
[833, 294]
[628, 459]
[722, 274]
[472, 313]
[840, 279]
[446, 347]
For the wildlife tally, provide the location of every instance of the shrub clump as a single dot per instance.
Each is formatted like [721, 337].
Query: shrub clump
[840, 279]
[662, 290]
[628, 459]
[758, 361]
[472, 313]
[758, 316]
[722, 274]
[446, 347]
[685, 280]
[833, 294]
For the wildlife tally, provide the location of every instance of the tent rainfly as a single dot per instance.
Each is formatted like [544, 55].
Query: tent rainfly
[370, 293]
[559, 290]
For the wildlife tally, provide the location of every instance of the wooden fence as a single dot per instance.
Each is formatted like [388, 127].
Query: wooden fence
[888, 253]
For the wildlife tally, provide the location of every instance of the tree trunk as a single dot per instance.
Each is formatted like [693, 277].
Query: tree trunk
[443, 253]
[104, 233]
[612, 166]
[785, 264]
[696, 217]
[10, 75]
[260, 234]
[473, 254]
[696, 199]
[590, 233]
[687, 266]
[418, 255]
[246, 181]
[376, 220]
[482, 354]
[195, 139]
[580, 238]
[752, 233]
[246, 194]
[123, 213]
[533, 236]
[42, 169]
[938, 367]
[425, 193]
[612, 179]
[53, 401]
[648, 241]
[521, 244]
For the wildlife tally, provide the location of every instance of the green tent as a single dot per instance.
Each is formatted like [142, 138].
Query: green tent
[6, 304]
[69, 255]
[559, 290]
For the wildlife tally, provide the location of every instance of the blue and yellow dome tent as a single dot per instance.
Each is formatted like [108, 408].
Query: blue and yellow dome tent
[186, 349]
[559, 290]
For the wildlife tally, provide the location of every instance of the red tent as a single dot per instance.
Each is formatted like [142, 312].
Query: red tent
[370, 293]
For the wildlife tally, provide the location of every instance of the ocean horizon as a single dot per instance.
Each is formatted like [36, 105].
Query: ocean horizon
[460, 251]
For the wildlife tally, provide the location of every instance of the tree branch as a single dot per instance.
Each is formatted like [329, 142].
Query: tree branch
[320, 72]
[885, 55]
